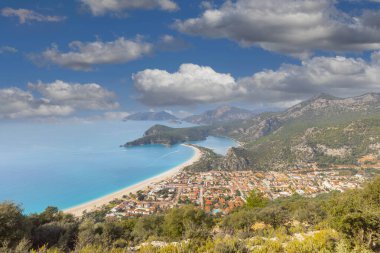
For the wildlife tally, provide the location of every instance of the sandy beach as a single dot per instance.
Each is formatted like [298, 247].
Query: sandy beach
[97, 203]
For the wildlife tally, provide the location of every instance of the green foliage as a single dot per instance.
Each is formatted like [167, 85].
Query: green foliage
[224, 245]
[186, 222]
[13, 224]
[149, 226]
[160, 134]
[208, 161]
[256, 199]
[299, 141]
[53, 227]
[239, 221]
[321, 241]
[270, 246]
[60, 234]
[356, 214]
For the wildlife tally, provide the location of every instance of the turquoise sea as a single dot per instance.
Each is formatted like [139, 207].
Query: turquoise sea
[66, 164]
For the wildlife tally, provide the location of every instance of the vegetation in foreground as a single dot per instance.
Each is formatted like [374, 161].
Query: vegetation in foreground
[338, 222]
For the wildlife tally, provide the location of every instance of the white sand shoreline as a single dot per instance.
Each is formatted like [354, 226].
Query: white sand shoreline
[99, 202]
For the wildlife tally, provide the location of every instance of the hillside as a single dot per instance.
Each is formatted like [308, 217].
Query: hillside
[325, 130]
[220, 114]
[340, 142]
[153, 116]
[164, 135]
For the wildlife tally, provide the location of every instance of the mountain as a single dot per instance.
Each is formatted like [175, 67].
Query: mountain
[318, 109]
[324, 130]
[154, 116]
[326, 105]
[220, 114]
[159, 134]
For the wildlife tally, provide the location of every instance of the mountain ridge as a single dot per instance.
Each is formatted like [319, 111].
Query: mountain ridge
[324, 129]
[220, 114]
[154, 116]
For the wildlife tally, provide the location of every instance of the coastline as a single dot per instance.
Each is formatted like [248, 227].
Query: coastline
[99, 202]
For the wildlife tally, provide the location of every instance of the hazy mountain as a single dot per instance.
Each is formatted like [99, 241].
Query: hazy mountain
[154, 116]
[220, 114]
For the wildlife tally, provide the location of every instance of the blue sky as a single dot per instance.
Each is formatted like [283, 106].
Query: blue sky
[253, 53]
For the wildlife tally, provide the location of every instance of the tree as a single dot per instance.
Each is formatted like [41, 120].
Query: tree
[56, 234]
[147, 226]
[256, 199]
[13, 225]
[356, 214]
[240, 220]
[186, 222]
[275, 216]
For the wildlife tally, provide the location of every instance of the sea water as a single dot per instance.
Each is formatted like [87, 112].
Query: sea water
[66, 164]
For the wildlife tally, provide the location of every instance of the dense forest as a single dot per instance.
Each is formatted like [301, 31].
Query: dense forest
[336, 222]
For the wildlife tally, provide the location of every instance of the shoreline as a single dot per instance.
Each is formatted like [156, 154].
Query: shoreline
[99, 202]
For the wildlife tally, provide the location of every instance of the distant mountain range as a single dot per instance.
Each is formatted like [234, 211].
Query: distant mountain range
[220, 114]
[153, 116]
[325, 130]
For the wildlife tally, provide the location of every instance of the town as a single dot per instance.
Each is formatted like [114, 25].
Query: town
[219, 192]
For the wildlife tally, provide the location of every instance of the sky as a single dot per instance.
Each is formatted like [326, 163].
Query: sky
[105, 59]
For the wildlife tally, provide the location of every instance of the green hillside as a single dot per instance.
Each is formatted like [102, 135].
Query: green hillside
[325, 130]
[164, 135]
[326, 142]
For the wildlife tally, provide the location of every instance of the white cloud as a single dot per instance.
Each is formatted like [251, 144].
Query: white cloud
[193, 84]
[292, 27]
[84, 55]
[90, 96]
[7, 49]
[190, 84]
[115, 115]
[54, 99]
[338, 76]
[25, 15]
[101, 7]
[16, 103]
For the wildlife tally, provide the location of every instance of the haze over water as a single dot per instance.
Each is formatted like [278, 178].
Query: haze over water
[65, 164]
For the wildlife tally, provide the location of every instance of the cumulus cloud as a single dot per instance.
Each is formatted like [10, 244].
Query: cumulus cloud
[292, 27]
[190, 84]
[101, 7]
[16, 103]
[54, 99]
[90, 96]
[7, 49]
[290, 84]
[84, 55]
[338, 76]
[26, 16]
